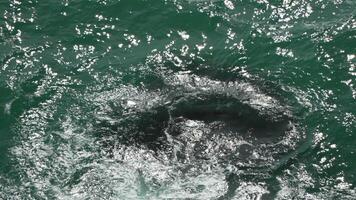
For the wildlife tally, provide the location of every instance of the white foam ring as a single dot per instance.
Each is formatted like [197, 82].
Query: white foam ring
[194, 166]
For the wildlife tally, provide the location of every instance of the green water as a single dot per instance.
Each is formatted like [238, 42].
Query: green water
[177, 99]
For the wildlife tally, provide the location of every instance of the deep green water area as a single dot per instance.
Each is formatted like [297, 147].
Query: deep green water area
[178, 99]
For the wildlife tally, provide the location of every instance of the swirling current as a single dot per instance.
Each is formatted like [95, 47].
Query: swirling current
[177, 99]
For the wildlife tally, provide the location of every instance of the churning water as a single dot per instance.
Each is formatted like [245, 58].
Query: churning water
[177, 99]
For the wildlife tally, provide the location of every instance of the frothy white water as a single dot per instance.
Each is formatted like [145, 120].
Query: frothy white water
[60, 154]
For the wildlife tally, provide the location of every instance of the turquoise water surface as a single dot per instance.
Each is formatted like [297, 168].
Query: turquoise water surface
[177, 99]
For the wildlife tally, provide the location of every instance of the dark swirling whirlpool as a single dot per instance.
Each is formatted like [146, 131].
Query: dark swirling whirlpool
[198, 125]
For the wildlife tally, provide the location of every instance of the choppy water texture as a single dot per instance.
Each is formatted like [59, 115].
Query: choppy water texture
[177, 99]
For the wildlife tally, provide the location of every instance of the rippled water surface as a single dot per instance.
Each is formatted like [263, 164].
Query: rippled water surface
[177, 99]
